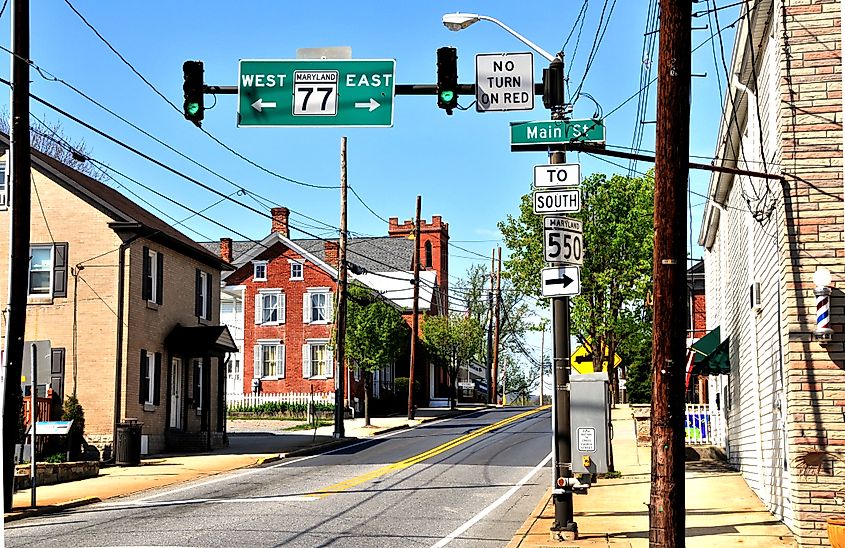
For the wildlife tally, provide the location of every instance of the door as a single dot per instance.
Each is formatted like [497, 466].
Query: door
[176, 394]
[234, 375]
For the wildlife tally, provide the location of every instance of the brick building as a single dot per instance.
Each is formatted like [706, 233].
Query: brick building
[287, 289]
[127, 304]
[764, 239]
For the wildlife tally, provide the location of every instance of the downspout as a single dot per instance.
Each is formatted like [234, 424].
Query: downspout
[751, 102]
[118, 361]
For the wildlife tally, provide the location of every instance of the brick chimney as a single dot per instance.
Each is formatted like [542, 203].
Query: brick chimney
[226, 249]
[332, 249]
[280, 221]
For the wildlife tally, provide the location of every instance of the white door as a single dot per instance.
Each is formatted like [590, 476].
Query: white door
[234, 375]
[176, 394]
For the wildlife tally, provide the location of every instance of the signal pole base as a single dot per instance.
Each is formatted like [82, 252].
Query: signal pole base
[564, 535]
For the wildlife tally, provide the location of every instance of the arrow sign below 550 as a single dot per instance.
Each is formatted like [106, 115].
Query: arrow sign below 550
[560, 281]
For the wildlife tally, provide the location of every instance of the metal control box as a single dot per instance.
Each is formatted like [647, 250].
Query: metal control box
[590, 423]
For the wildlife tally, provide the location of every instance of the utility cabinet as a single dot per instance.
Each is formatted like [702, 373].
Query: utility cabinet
[590, 423]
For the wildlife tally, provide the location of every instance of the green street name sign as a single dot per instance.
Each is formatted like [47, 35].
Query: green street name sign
[538, 135]
[316, 92]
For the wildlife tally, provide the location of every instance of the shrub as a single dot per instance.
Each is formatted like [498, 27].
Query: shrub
[72, 410]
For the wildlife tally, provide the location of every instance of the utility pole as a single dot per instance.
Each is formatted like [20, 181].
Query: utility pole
[19, 236]
[415, 319]
[491, 379]
[671, 173]
[340, 321]
[498, 305]
[542, 343]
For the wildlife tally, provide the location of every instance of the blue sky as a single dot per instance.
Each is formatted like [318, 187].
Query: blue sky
[460, 164]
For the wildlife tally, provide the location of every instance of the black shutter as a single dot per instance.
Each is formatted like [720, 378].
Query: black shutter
[198, 295]
[209, 296]
[157, 380]
[159, 278]
[146, 283]
[145, 384]
[57, 372]
[60, 269]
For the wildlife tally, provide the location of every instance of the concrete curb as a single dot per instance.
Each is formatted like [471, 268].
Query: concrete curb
[52, 509]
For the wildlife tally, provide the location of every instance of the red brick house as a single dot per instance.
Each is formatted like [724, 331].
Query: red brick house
[288, 289]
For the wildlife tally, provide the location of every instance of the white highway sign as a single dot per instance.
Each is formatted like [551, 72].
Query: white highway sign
[563, 240]
[551, 202]
[504, 81]
[560, 281]
[551, 175]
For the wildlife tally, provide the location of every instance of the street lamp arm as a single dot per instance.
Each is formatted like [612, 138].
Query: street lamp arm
[549, 57]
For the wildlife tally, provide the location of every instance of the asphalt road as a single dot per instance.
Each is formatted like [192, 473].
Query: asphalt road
[460, 481]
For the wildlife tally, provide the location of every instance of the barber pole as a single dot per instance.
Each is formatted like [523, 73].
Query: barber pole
[823, 331]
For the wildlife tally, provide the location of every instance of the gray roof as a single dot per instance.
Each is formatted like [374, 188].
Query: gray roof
[373, 254]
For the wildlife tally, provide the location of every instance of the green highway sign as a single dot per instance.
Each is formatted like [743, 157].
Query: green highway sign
[539, 135]
[316, 92]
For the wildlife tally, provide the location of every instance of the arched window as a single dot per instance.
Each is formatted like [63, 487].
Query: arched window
[428, 254]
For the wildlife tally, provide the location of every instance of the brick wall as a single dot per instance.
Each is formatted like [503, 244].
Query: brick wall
[435, 233]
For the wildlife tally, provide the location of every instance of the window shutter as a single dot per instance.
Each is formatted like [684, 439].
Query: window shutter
[57, 371]
[306, 361]
[283, 361]
[198, 294]
[329, 362]
[143, 387]
[60, 270]
[159, 278]
[306, 308]
[283, 307]
[209, 295]
[258, 302]
[329, 308]
[157, 380]
[256, 361]
[146, 286]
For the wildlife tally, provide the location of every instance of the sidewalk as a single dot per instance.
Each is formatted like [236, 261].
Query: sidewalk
[249, 447]
[721, 510]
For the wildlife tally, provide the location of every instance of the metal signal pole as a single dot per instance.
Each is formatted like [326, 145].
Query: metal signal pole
[415, 319]
[671, 175]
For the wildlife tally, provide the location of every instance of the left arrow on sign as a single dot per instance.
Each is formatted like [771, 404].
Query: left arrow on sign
[372, 104]
[258, 105]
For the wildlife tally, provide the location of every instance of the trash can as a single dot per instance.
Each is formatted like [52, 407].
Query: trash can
[128, 452]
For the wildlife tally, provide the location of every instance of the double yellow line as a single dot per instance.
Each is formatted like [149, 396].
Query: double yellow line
[410, 461]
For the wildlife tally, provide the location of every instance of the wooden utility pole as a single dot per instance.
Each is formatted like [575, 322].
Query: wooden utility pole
[491, 378]
[542, 342]
[498, 306]
[671, 174]
[340, 321]
[415, 319]
[21, 193]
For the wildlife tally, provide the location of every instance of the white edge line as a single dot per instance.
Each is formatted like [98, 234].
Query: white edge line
[251, 471]
[481, 515]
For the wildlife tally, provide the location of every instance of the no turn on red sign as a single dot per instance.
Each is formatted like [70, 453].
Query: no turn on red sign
[504, 81]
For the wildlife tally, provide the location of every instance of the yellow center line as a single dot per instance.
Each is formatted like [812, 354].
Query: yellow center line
[369, 476]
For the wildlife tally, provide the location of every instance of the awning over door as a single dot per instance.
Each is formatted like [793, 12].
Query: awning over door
[711, 354]
[198, 340]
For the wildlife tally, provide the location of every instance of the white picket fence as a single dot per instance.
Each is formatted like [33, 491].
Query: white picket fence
[245, 401]
[703, 425]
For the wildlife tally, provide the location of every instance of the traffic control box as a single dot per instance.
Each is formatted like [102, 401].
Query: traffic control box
[590, 423]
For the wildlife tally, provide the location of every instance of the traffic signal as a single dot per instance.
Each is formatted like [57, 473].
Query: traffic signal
[194, 109]
[447, 79]
[553, 85]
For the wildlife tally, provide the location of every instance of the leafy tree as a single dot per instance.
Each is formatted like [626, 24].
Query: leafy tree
[636, 353]
[452, 342]
[517, 383]
[616, 274]
[72, 411]
[375, 336]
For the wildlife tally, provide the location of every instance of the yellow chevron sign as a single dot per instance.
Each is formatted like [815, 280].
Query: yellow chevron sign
[582, 360]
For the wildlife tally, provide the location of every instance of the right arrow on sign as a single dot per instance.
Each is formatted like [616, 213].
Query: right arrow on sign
[564, 280]
[560, 281]
[372, 104]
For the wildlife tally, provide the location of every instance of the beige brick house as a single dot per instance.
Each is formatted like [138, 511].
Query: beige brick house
[129, 305]
[784, 400]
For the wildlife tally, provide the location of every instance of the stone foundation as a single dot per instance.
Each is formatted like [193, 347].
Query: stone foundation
[51, 473]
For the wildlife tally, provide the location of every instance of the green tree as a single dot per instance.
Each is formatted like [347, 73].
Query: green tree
[452, 342]
[375, 336]
[616, 274]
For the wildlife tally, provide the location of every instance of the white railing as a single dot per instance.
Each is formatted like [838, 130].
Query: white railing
[703, 425]
[243, 401]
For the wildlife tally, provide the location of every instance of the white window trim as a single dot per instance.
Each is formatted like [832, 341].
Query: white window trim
[301, 269]
[4, 191]
[271, 342]
[281, 306]
[204, 276]
[329, 357]
[153, 254]
[151, 374]
[198, 397]
[50, 270]
[329, 305]
[255, 265]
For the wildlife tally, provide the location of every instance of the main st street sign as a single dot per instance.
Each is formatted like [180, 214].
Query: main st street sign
[538, 135]
[316, 92]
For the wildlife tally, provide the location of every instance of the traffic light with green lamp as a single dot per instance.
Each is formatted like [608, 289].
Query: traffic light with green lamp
[194, 109]
[447, 79]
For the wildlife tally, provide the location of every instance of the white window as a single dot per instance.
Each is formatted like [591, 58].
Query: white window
[203, 295]
[317, 359]
[151, 289]
[317, 306]
[269, 307]
[198, 383]
[260, 272]
[149, 379]
[269, 359]
[295, 270]
[4, 187]
[40, 269]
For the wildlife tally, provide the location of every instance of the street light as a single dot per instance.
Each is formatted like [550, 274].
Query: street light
[460, 21]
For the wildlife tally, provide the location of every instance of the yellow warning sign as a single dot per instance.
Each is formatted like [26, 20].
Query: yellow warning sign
[582, 360]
